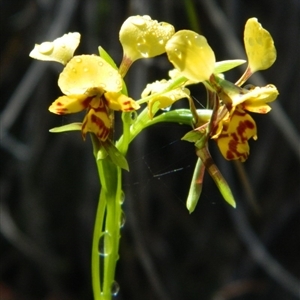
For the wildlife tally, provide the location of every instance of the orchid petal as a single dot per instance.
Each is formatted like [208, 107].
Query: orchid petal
[97, 122]
[259, 46]
[60, 50]
[88, 71]
[69, 104]
[233, 140]
[118, 101]
[190, 53]
[141, 36]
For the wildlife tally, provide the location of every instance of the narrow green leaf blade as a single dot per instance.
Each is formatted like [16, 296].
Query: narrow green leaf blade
[68, 127]
[226, 65]
[115, 155]
[107, 57]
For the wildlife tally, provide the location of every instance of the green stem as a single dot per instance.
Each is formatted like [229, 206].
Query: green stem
[95, 247]
[181, 116]
[108, 217]
[106, 235]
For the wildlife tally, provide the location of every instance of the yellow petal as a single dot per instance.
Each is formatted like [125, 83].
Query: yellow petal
[190, 53]
[85, 72]
[255, 100]
[155, 87]
[97, 122]
[60, 50]
[258, 106]
[69, 104]
[259, 46]
[167, 99]
[118, 101]
[233, 140]
[141, 36]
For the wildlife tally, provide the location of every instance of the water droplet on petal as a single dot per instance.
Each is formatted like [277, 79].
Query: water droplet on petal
[143, 49]
[100, 63]
[161, 41]
[78, 60]
[74, 70]
[46, 47]
[178, 53]
[115, 288]
[105, 244]
[85, 70]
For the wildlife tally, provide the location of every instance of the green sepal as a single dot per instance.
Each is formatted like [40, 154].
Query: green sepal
[68, 127]
[192, 136]
[226, 65]
[226, 90]
[196, 186]
[199, 137]
[216, 175]
[115, 155]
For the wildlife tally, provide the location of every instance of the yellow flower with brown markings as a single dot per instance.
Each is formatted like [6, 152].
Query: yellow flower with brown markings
[90, 83]
[236, 127]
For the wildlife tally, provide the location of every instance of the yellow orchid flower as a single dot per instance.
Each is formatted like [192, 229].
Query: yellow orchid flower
[89, 82]
[234, 128]
[253, 99]
[60, 50]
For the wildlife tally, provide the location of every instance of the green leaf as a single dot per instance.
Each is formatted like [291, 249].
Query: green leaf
[109, 60]
[107, 57]
[226, 65]
[68, 127]
[115, 155]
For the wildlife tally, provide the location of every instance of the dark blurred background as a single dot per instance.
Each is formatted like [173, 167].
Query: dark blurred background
[49, 185]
